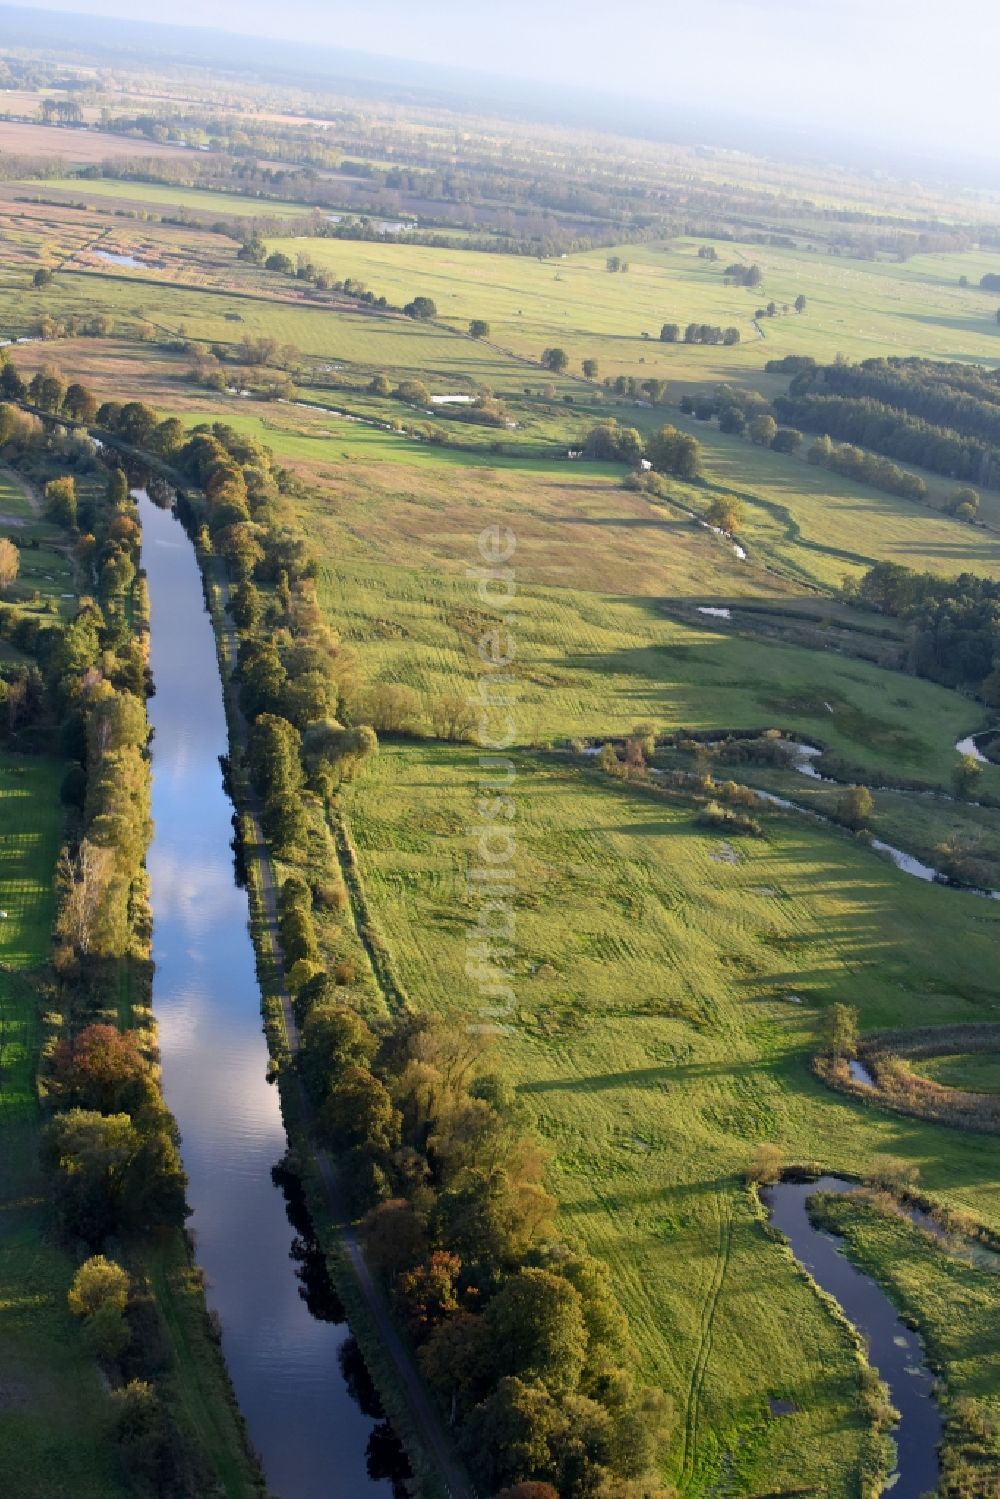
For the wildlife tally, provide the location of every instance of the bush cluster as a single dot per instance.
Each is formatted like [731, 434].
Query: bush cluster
[668, 450]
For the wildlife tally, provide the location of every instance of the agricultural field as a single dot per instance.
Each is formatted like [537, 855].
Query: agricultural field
[62, 143]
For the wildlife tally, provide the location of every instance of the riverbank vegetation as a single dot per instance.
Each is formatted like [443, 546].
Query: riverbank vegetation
[890, 1079]
[94, 1115]
[955, 1307]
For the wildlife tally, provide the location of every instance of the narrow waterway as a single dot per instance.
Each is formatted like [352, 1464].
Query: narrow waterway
[893, 1349]
[290, 1362]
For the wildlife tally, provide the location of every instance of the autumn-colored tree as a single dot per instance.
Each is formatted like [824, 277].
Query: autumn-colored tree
[839, 1030]
[10, 562]
[359, 1111]
[508, 1437]
[104, 1069]
[726, 513]
[395, 1238]
[452, 716]
[429, 1292]
[965, 776]
[762, 429]
[855, 807]
[60, 501]
[538, 1331]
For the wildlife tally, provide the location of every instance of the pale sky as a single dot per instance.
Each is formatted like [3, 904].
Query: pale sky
[915, 71]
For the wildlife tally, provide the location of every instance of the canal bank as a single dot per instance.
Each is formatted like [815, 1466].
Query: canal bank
[435, 1467]
[285, 1363]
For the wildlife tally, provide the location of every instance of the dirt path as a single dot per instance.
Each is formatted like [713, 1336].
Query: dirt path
[422, 1410]
[28, 490]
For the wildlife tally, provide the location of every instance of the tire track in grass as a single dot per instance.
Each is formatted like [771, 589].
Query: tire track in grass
[692, 1413]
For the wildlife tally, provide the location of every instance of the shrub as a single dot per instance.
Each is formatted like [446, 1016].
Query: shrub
[855, 807]
[767, 1164]
[98, 1283]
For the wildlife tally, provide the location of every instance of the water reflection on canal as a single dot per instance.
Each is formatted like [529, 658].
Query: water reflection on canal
[294, 1366]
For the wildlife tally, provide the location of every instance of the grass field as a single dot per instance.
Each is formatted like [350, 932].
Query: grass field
[372, 342]
[856, 308]
[979, 1072]
[596, 652]
[107, 190]
[55, 1439]
[917, 824]
[654, 1043]
[46, 578]
[595, 665]
[827, 526]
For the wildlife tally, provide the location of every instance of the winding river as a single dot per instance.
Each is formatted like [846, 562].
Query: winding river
[894, 1350]
[292, 1361]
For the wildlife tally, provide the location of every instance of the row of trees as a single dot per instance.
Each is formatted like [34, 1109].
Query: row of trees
[868, 468]
[699, 333]
[871, 424]
[964, 397]
[519, 1335]
[631, 388]
[741, 274]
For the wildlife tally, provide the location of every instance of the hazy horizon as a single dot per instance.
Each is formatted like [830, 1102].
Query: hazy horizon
[895, 72]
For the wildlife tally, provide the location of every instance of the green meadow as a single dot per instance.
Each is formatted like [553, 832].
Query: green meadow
[360, 338]
[668, 992]
[979, 1072]
[853, 308]
[99, 191]
[55, 1436]
[45, 574]
[808, 524]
